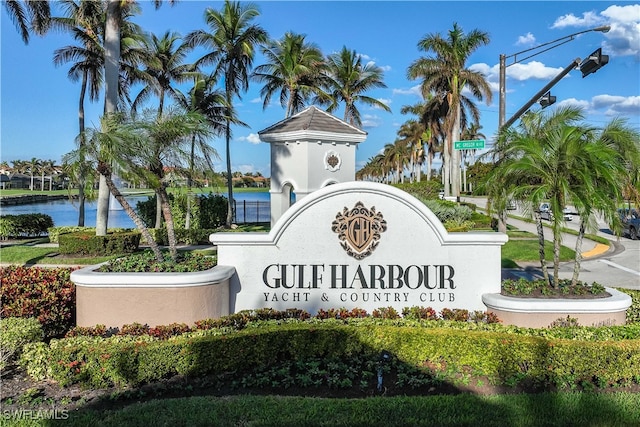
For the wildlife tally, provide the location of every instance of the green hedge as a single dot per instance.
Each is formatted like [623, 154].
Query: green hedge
[25, 225]
[55, 232]
[87, 243]
[504, 358]
[15, 333]
[192, 236]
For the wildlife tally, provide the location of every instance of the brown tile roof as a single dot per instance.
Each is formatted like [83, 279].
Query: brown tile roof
[313, 120]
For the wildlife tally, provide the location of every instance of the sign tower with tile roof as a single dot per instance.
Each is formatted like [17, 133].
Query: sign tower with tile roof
[309, 150]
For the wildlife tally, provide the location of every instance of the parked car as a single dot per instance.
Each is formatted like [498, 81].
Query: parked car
[546, 213]
[630, 222]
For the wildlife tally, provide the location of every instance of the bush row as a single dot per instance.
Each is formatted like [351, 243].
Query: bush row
[208, 211]
[88, 244]
[192, 236]
[24, 225]
[505, 359]
[55, 232]
[45, 294]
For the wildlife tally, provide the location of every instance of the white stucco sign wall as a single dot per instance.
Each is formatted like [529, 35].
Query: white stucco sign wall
[361, 245]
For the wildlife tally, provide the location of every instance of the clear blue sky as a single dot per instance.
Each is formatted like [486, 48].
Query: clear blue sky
[39, 103]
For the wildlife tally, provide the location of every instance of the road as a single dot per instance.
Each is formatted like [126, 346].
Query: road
[618, 266]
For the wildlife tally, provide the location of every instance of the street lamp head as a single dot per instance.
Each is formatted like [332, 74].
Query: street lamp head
[603, 29]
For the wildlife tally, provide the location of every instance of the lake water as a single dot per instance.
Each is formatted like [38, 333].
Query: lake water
[250, 207]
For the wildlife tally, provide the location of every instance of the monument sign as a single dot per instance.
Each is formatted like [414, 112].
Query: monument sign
[360, 245]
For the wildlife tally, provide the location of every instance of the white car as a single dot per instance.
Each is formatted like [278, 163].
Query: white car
[546, 213]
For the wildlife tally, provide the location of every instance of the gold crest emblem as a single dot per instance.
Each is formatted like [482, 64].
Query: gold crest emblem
[359, 230]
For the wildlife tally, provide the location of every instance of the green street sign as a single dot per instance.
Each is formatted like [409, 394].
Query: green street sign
[474, 144]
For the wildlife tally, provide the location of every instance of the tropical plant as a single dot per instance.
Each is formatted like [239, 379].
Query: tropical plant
[554, 157]
[84, 20]
[294, 69]
[163, 67]
[349, 80]
[29, 16]
[116, 10]
[231, 45]
[160, 142]
[443, 78]
[205, 99]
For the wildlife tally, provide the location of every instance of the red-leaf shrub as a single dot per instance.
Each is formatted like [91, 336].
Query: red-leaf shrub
[44, 293]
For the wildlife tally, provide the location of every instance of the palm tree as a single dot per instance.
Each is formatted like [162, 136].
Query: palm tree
[430, 117]
[164, 66]
[205, 99]
[116, 9]
[84, 20]
[231, 44]
[556, 157]
[410, 134]
[445, 75]
[29, 16]
[349, 80]
[105, 147]
[160, 142]
[294, 69]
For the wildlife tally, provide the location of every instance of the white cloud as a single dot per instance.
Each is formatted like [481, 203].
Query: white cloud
[617, 105]
[526, 40]
[623, 39]
[532, 70]
[370, 121]
[572, 102]
[252, 138]
[610, 105]
[256, 100]
[588, 19]
[414, 90]
[623, 14]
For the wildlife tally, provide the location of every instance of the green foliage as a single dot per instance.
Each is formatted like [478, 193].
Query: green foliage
[524, 287]
[55, 232]
[285, 354]
[423, 190]
[87, 243]
[147, 262]
[42, 293]
[192, 236]
[36, 360]
[208, 211]
[633, 312]
[449, 211]
[24, 225]
[15, 333]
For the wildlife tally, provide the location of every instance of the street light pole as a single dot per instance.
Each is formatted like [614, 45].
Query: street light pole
[551, 45]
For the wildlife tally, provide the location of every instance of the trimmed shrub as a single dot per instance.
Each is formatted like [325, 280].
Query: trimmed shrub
[24, 225]
[55, 232]
[504, 358]
[87, 243]
[42, 293]
[15, 333]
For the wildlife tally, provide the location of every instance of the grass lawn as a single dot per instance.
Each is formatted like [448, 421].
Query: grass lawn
[514, 410]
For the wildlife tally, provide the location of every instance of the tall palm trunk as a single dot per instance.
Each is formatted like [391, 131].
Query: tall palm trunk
[168, 219]
[111, 74]
[455, 154]
[543, 262]
[81, 174]
[229, 177]
[556, 256]
[578, 259]
[105, 174]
